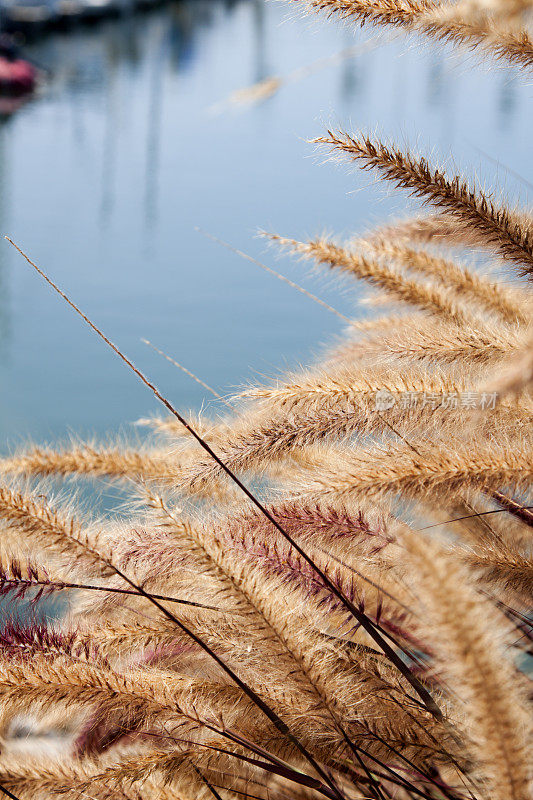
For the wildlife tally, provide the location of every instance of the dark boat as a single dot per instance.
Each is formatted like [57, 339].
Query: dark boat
[27, 17]
[33, 17]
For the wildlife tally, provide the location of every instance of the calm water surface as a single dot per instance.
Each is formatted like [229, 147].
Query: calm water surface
[106, 174]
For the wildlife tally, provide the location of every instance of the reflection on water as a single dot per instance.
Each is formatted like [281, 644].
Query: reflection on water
[4, 284]
[106, 173]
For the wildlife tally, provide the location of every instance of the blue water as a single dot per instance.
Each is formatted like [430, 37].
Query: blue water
[105, 175]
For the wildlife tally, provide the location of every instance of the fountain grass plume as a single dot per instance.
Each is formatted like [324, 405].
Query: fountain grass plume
[326, 592]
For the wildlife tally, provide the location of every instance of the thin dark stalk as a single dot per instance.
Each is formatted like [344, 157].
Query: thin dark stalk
[278, 275]
[60, 585]
[408, 761]
[8, 793]
[274, 768]
[281, 766]
[204, 779]
[521, 623]
[523, 513]
[185, 370]
[374, 786]
[260, 751]
[362, 618]
[364, 578]
[417, 451]
[468, 516]
[393, 777]
[248, 779]
[399, 781]
[237, 791]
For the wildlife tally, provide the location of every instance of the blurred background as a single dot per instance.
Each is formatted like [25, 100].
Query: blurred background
[130, 141]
